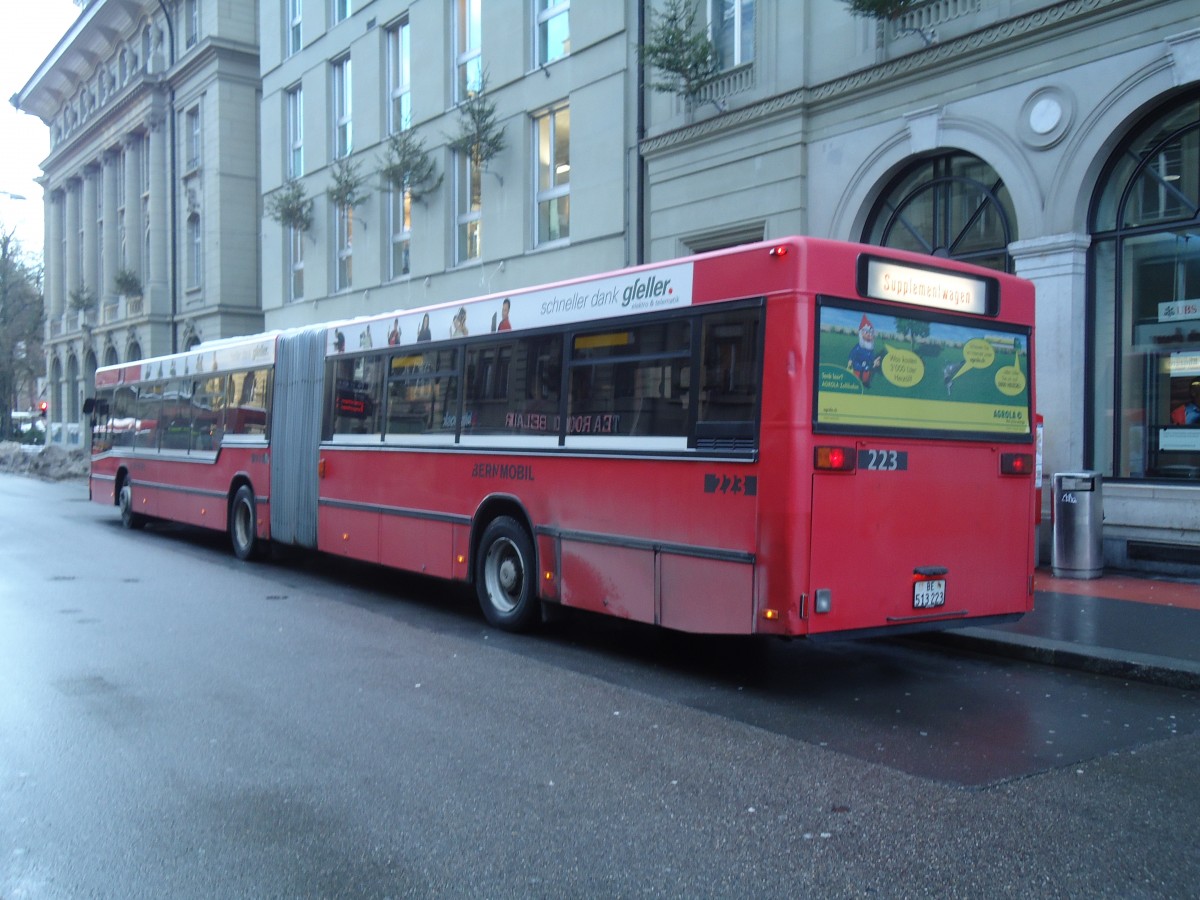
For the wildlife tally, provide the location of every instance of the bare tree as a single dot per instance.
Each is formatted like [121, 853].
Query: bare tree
[21, 316]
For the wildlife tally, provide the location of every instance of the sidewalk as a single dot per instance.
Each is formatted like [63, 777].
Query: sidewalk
[1122, 625]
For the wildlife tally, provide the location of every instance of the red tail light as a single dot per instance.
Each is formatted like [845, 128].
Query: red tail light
[834, 459]
[1016, 463]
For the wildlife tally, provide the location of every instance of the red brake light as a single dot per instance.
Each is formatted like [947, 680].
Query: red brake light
[780, 250]
[834, 459]
[1016, 463]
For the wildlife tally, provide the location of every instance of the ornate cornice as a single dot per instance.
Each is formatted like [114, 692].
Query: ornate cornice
[886, 73]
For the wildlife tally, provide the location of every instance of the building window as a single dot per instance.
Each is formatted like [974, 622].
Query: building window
[400, 215]
[344, 229]
[295, 10]
[343, 138]
[295, 264]
[1144, 267]
[195, 259]
[191, 13]
[341, 10]
[952, 205]
[193, 137]
[399, 78]
[552, 140]
[731, 27]
[468, 185]
[553, 38]
[468, 59]
[295, 132]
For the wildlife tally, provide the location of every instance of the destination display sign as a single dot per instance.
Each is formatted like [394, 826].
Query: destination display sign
[883, 279]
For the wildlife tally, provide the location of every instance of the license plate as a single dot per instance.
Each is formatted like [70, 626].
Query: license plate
[929, 594]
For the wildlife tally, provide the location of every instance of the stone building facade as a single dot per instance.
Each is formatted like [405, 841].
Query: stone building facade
[1057, 139]
[151, 186]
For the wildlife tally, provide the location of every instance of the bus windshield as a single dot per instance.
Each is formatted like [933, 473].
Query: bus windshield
[919, 374]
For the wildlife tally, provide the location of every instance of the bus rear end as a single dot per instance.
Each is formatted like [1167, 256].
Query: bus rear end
[922, 450]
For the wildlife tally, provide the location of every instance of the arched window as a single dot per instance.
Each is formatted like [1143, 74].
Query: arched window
[1145, 290]
[951, 205]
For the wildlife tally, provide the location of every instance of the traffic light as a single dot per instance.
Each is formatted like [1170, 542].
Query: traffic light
[42, 407]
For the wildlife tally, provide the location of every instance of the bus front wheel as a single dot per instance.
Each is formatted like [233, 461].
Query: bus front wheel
[505, 577]
[129, 518]
[243, 528]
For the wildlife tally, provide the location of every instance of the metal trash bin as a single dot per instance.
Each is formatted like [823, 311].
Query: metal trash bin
[1078, 513]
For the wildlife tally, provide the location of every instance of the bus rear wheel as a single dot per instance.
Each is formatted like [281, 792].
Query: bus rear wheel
[129, 519]
[505, 576]
[243, 526]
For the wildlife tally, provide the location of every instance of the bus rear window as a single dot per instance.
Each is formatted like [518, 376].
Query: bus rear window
[920, 374]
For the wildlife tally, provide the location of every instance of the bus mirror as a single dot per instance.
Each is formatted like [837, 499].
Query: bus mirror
[89, 406]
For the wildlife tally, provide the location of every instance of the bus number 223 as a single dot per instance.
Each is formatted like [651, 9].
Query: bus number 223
[883, 460]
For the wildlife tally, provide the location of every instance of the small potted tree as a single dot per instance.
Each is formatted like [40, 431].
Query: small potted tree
[346, 189]
[291, 206]
[127, 284]
[406, 166]
[480, 136]
[680, 50]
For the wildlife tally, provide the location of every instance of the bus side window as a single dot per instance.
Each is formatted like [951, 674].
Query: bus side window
[246, 410]
[149, 416]
[208, 413]
[177, 415]
[730, 374]
[357, 396]
[122, 420]
[422, 393]
[512, 388]
[102, 428]
[632, 384]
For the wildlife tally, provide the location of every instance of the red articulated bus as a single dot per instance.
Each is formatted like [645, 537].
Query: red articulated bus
[800, 437]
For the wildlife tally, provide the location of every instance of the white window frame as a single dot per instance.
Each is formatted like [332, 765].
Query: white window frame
[715, 9]
[468, 206]
[192, 24]
[295, 258]
[295, 26]
[342, 106]
[546, 12]
[194, 137]
[399, 75]
[400, 229]
[343, 270]
[548, 188]
[294, 113]
[340, 10]
[468, 48]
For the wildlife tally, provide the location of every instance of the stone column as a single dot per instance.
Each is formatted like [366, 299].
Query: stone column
[1057, 265]
[87, 213]
[157, 288]
[53, 253]
[71, 263]
[133, 206]
[110, 242]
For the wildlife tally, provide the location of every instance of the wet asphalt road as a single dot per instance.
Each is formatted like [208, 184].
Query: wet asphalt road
[174, 723]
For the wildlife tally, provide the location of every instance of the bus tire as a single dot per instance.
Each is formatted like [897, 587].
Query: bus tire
[243, 525]
[129, 519]
[506, 577]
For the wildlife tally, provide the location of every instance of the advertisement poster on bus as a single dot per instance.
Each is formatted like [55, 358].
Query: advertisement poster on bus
[630, 293]
[919, 374]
